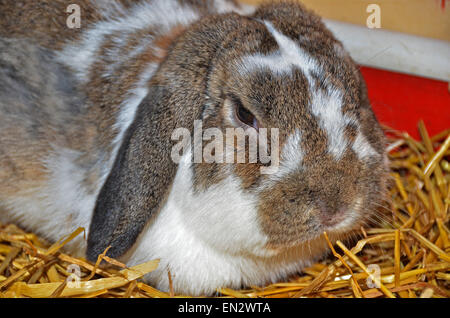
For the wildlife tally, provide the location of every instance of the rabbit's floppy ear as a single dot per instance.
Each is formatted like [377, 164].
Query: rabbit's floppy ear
[138, 182]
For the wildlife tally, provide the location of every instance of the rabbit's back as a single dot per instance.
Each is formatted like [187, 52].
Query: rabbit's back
[68, 95]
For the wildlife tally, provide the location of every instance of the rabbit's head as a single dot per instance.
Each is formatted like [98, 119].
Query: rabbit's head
[281, 77]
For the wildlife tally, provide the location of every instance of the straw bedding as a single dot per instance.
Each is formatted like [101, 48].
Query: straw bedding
[404, 253]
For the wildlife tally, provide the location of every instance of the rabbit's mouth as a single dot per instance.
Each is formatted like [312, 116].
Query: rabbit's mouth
[310, 229]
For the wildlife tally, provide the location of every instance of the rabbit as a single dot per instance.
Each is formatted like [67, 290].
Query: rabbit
[87, 121]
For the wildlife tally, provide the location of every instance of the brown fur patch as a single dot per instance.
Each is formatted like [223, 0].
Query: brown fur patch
[44, 21]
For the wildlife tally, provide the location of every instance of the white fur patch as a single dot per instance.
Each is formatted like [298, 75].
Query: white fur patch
[284, 60]
[225, 6]
[209, 239]
[59, 206]
[118, 49]
[290, 153]
[327, 107]
[291, 157]
[362, 148]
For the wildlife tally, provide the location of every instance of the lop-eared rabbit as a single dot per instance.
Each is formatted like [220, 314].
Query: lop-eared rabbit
[87, 117]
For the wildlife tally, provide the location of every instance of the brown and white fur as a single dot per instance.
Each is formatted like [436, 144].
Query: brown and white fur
[86, 117]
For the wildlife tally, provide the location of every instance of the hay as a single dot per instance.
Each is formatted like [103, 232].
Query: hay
[405, 253]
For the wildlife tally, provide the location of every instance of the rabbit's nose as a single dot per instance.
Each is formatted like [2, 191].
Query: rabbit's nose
[332, 214]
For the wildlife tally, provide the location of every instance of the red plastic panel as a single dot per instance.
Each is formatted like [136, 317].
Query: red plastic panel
[401, 100]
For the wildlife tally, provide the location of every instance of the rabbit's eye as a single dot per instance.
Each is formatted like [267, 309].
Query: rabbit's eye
[244, 115]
